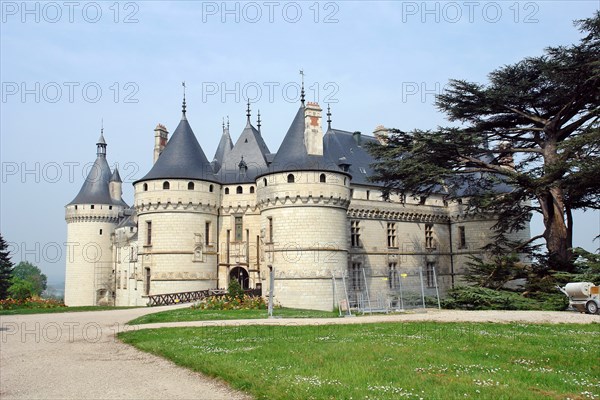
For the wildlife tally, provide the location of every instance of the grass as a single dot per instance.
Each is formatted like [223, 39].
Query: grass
[189, 314]
[28, 310]
[389, 360]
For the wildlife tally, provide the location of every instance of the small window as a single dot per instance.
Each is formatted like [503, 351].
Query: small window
[368, 194]
[101, 231]
[211, 188]
[207, 233]
[429, 239]
[190, 185]
[290, 178]
[344, 181]
[265, 181]
[76, 207]
[422, 200]
[356, 277]
[226, 190]
[462, 238]
[166, 185]
[430, 274]
[393, 276]
[251, 189]
[110, 207]
[145, 187]
[355, 233]
[92, 206]
[322, 178]
[148, 233]
[238, 229]
[239, 190]
[270, 219]
[391, 235]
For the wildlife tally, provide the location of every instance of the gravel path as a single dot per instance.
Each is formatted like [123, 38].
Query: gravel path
[76, 355]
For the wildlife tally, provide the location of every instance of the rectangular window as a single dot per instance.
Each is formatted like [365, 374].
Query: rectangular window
[430, 274]
[368, 194]
[148, 233]
[101, 231]
[356, 278]
[355, 233]
[119, 280]
[239, 234]
[391, 235]
[207, 233]
[429, 239]
[393, 277]
[270, 237]
[462, 238]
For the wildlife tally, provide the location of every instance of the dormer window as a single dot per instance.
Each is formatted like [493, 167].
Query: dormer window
[226, 190]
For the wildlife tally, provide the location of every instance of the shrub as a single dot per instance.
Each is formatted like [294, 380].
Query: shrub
[478, 298]
[228, 302]
[12, 304]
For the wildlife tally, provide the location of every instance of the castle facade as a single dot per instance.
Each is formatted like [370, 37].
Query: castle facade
[298, 218]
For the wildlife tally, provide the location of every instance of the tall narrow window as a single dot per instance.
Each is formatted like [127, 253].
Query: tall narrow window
[356, 278]
[270, 237]
[238, 229]
[430, 274]
[147, 279]
[148, 233]
[355, 233]
[211, 188]
[101, 231]
[391, 235]
[145, 187]
[265, 181]
[251, 189]
[429, 239]
[207, 233]
[462, 238]
[393, 277]
[368, 194]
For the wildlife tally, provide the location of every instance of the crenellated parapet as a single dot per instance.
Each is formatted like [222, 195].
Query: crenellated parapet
[397, 215]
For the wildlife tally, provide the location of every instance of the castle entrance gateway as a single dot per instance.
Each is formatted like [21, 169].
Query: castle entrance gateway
[240, 275]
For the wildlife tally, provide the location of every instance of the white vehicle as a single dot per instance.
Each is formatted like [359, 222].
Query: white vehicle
[583, 296]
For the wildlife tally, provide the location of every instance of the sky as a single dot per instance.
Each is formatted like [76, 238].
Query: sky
[68, 68]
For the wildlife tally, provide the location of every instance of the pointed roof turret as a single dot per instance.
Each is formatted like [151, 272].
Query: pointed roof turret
[224, 147]
[116, 177]
[182, 158]
[95, 188]
[293, 155]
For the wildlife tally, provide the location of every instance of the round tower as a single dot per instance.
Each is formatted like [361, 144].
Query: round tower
[303, 204]
[91, 220]
[177, 209]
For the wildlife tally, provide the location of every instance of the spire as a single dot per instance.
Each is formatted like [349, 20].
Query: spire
[116, 177]
[258, 122]
[223, 124]
[302, 88]
[228, 123]
[328, 117]
[101, 144]
[183, 106]
[248, 111]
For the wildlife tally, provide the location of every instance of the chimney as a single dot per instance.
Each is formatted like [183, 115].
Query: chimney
[356, 136]
[161, 135]
[381, 134]
[313, 132]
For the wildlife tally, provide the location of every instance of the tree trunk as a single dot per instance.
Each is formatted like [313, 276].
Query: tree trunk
[569, 214]
[556, 233]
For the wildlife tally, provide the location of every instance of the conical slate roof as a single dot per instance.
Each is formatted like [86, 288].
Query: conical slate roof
[116, 177]
[292, 154]
[95, 188]
[182, 158]
[252, 150]
[223, 149]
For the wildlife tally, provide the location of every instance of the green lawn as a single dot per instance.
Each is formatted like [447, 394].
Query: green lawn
[59, 310]
[189, 314]
[390, 360]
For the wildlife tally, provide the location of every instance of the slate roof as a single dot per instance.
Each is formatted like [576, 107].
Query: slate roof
[95, 188]
[182, 158]
[116, 177]
[341, 146]
[252, 150]
[223, 150]
[292, 154]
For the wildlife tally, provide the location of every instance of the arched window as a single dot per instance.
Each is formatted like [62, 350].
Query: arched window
[239, 190]
[166, 185]
[265, 181]
[190, 185]
[290, 178]
[226, 190]
[251, 189]
[145, 187]
[211, 188]
[322, 178]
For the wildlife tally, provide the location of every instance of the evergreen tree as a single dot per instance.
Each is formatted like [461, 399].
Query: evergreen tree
[6, 267]
[529, 141]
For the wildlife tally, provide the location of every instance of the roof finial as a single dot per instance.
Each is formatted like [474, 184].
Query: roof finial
[258, 122]
[223, 124]
[228, 123]
[102, 125]
[248, 111]
[302, 88]
[328, 117]
[183, 106]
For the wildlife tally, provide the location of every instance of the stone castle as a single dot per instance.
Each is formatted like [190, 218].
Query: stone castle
[304, 214]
